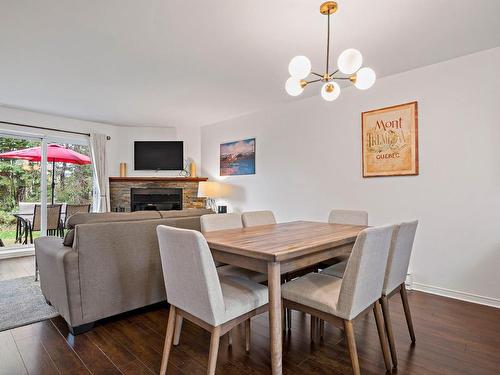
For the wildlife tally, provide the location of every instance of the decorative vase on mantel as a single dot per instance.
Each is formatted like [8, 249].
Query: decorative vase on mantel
[123, 169]
[192, 169]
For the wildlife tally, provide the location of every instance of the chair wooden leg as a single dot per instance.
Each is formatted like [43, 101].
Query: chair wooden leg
[406, 306]
[384, 301]
[36, 268]
[321, 328]
[351, 345]
[381, 334]
[288, 312]
[214, 350]
[283, 318]
[247, 336]
[313, 328]
[178, 329]
[230, 338]
[168, 340]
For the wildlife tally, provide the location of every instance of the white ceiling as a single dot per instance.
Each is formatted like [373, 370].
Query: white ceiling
[177, 62]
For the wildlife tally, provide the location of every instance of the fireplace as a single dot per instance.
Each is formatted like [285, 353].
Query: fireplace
[155, 199]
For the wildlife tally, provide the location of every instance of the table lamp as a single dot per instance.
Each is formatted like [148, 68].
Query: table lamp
[209, 190]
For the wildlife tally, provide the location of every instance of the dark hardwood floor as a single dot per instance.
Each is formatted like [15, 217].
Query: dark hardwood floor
[453, 337]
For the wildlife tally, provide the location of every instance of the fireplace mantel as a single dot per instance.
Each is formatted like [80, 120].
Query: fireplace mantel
[120, 189]
[157, 178]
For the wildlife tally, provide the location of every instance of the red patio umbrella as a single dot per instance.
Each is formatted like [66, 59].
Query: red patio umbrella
[55, 153]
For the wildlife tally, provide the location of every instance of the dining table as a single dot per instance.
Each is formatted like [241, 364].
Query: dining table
[278, 249]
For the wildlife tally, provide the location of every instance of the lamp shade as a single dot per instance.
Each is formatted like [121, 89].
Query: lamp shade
[209, 189]
[293, 86]
[365, 78]
[330, 91]
[299, 67]
[350, 61]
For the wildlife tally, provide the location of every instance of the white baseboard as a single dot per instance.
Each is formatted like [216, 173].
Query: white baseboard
[17, 253]
[463, 296]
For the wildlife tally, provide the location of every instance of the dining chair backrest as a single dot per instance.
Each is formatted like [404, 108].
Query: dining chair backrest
[53, 217]
[212, 222]
[352, 217]
[399, 255]
[72, 209]
[191, 279]
[254, 218]
[365, 271]
[26, 208]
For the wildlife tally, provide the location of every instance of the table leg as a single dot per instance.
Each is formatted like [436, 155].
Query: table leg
[275, 329]
[18, 230]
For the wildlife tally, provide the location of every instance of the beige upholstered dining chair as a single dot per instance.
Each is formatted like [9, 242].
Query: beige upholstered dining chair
[395, 276]
[341, 301]
[352, 217]
[196, 292]
[254, 218]
[349, 217]
[213, 222]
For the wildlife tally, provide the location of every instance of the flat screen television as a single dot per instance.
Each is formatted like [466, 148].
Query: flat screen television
[158, 155]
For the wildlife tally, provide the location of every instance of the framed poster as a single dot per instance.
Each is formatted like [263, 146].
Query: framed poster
[237, 158]
[390, 141]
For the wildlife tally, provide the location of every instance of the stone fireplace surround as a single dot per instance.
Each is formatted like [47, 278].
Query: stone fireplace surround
[120, 189]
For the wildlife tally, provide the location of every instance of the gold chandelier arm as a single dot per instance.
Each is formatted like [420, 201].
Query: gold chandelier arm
[314, 80]
[304, 83]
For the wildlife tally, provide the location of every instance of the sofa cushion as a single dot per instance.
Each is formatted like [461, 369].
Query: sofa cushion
[105, 217]
[69, 237]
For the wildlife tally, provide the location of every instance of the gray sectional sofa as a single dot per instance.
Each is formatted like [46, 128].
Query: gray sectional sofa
[107, 264]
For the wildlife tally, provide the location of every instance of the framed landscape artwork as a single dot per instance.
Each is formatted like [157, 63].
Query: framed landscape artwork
[390, 141]
[237, 158]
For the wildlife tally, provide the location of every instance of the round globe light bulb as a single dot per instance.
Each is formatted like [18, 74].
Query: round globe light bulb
[350, 61]
[299, 67]
[293, 86]
[365, 78]
[330, 91]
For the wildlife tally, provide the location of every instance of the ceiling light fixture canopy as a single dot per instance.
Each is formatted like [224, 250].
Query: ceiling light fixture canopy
[349, 63]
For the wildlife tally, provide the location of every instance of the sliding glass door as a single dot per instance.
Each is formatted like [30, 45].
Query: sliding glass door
[43, 180]
[20, 189]
[69, 182]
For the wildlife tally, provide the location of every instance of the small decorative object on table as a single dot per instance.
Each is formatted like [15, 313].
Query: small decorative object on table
[222, 209]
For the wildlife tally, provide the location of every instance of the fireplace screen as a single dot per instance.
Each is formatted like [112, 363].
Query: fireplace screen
[156, 199]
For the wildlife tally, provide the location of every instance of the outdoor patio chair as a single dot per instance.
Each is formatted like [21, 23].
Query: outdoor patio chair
[72, 209]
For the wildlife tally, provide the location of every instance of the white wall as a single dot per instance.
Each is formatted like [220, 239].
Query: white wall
[121, 145]
[309, 161]
[126, 136]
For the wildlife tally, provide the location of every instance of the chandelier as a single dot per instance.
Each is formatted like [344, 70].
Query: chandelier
[349, 65]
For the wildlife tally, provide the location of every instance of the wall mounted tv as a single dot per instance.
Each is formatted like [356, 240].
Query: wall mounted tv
[158, 155]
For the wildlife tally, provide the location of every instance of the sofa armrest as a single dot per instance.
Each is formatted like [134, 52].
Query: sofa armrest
[120, 267]
[59, 277]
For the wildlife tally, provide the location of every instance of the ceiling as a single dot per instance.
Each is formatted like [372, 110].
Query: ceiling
[176, 63]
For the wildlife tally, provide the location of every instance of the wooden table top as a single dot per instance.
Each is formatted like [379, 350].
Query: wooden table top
[284, 241]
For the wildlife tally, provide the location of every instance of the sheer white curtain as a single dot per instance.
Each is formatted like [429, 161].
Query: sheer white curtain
[101, 183]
